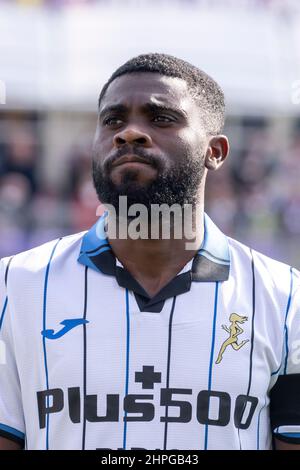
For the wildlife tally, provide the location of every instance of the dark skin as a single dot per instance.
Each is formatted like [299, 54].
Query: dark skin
[154, 263]
[7, 444]
[280, 445]
[167, 134]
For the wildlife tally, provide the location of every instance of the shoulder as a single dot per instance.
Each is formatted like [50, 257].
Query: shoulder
[33, 262]
[266, 271]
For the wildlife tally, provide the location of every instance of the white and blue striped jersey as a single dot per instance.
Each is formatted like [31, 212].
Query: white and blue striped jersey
[89, 361]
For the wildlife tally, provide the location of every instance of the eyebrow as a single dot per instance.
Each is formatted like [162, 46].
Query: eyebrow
[147, 107]
[115, 108]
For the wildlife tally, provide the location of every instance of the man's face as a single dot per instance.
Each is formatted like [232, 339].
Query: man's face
[150, 142]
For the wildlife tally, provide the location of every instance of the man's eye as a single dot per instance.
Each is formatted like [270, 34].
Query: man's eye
[163, 118]
[111, 121]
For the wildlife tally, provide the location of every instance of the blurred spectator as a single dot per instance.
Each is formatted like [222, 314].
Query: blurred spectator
[19, 152]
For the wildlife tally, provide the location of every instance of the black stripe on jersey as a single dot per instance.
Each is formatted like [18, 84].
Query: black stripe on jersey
[6, 271]
[4, 309]
[168, 367]
[286, 334]
[89, 252]
[84, 356]
[252, 325]
[45, 304]
[252, 338]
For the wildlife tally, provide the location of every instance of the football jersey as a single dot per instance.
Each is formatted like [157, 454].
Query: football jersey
[88, 360]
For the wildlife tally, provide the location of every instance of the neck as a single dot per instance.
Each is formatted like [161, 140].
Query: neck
[154, 262]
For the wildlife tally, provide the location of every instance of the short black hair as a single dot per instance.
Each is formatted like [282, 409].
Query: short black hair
[204, 89]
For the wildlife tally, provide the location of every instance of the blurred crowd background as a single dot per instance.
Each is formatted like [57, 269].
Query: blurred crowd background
[210, 3]
[46, 134]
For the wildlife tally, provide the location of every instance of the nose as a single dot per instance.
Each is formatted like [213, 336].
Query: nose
[132, 136]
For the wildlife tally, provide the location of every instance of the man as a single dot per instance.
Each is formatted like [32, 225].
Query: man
[154, 342]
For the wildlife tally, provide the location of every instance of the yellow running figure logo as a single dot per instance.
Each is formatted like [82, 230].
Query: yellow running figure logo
[234, 331]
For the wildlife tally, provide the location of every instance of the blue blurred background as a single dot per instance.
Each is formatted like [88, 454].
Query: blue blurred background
[55, 55]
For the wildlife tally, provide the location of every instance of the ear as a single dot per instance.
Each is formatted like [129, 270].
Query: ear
[217, 152]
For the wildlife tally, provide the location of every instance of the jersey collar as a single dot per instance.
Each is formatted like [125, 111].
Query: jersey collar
[211, 263]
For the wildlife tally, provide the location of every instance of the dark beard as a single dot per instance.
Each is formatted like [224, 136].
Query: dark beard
[180, 185]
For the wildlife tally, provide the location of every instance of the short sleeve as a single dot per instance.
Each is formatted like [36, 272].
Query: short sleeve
[11, 413]
[285, 394]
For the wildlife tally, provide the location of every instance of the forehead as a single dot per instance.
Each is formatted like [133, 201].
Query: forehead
[139, 88]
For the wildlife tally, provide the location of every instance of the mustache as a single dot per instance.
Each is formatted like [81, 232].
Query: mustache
[151, 158]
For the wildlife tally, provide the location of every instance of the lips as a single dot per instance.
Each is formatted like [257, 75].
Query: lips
[130, 159]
